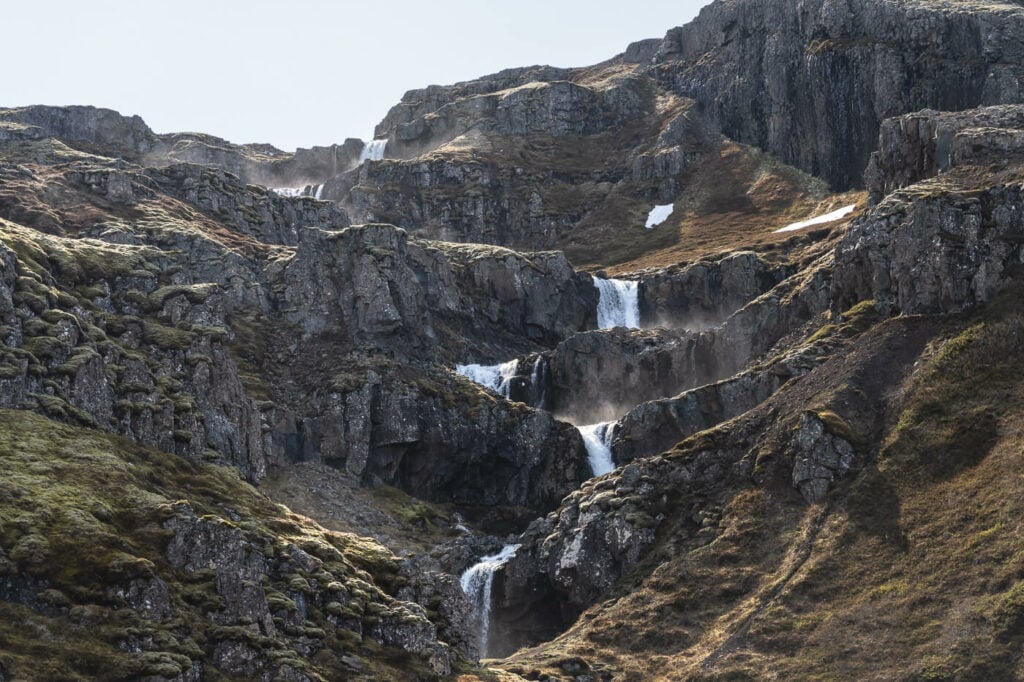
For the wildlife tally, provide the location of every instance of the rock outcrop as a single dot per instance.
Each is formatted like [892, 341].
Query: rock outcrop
[932, 248]
[703, 294]
[922, 145]
[158, 329]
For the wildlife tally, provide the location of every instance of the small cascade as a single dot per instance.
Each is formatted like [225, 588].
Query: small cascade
[539, 383]
[619, 304]
[598, 440]
[498, 378]
[373, 150]
[477, 582]
[314, 191]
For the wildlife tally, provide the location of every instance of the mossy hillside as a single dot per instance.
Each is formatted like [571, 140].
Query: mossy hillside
[66, 352]
[82, 514]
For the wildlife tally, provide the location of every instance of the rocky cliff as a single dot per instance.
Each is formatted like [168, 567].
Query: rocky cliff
[863, 60]
[812, 447]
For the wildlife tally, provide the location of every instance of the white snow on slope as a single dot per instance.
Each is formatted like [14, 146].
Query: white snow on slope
[658, 215]
[827, 218]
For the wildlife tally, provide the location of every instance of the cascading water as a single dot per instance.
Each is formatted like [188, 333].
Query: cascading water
[477, 582]
[306, 191]
[373, 150]
[618, 305]
[539, 383]
[598, 440]
[498, 378]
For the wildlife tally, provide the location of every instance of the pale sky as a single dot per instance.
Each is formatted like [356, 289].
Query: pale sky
[301, 73]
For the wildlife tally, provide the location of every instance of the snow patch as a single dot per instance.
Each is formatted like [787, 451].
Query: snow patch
[827, 218]
[658, 215]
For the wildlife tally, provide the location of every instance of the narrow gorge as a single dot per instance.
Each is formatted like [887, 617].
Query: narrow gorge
[700, 363]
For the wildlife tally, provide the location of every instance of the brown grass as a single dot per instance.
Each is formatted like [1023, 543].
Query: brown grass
[734, 202]
[912, 569]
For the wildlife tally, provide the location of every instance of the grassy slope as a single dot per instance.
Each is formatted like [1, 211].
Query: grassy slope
[81, 514]
[911, 569]
[733, 201]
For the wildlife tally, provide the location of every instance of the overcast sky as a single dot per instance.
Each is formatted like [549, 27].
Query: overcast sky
[296, 73]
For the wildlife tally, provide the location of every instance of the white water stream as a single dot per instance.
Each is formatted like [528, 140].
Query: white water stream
[598, 440]
[373, 150]
[477, 582]
[619, 304]
[306, 191]
[495, 377]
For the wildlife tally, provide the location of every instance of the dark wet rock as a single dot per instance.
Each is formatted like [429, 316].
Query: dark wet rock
[600, 375]
[454, 443]
[705, 293]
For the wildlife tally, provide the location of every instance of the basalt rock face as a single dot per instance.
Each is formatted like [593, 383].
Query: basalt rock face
[743, 69]
[93, 361]
[600, 375]
[811, 82]
[922, 145]
[156, 327]
[520, 158]
[262, 164]
[423, 435]
[704, 294]
[262, 215]
[515, 102]
[373, 285]
[104, 128]
[932, 249]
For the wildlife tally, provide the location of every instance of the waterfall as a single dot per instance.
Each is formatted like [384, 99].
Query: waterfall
[373, 150]
[539, 383]
[477, 582]
[306, 191]
[619, 305]
[498, 378]
[598, 440]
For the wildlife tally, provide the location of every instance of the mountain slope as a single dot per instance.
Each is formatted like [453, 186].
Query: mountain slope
[813, 433]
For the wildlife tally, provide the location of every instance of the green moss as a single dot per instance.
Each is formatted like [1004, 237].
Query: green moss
[46, 347]
[194, 293]
[79, 357]
[84, 512]
[167, 338]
